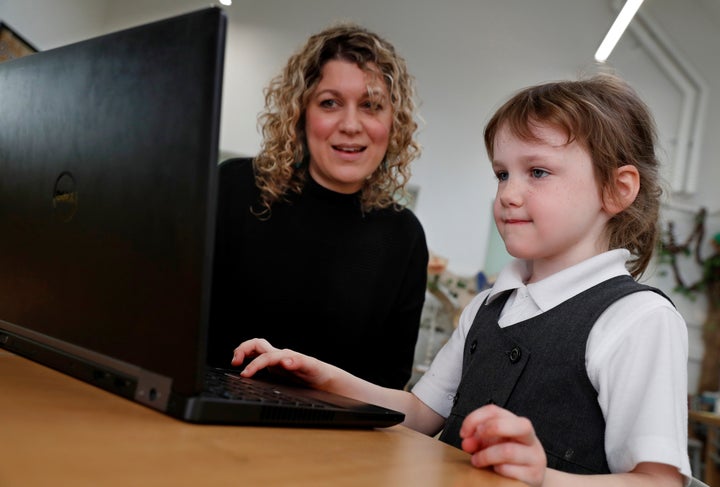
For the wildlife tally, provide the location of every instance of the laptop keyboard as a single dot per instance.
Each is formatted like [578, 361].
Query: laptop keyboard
[229, 385]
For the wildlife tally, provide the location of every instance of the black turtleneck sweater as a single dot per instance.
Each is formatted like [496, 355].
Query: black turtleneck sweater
[319, 276]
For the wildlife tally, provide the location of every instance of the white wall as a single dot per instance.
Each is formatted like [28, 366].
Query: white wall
[467, 57]
[48, 23]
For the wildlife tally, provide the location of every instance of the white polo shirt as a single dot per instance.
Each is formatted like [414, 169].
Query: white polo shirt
[636, 358]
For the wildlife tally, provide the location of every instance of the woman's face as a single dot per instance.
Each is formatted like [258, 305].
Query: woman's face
[347, 123]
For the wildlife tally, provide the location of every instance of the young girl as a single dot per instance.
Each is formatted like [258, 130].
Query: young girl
[567, 365]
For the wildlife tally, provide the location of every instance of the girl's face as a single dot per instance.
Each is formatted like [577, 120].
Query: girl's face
[348, 122]
[548, 207]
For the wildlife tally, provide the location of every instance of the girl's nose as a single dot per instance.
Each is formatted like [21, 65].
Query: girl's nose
[510, 193]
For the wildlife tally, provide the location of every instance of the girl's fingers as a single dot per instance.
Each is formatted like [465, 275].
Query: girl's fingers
[489, 424]
[249, 349]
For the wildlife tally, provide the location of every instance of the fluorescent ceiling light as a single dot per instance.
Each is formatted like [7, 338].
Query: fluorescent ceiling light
[617, 29]
[226, 2]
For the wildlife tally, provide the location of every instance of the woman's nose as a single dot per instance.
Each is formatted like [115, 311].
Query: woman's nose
[350, 122]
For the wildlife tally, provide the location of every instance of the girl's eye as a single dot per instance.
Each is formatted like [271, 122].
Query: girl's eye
[539, 173]
[502, 175]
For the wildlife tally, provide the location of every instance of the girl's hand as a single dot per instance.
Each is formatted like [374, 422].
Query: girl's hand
[499, 439]
[307, 369]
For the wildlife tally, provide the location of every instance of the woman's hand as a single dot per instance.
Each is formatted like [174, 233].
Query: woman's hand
[307, 369]
[497, 438]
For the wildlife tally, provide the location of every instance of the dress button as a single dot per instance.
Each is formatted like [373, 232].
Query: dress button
[514, 355]
[473, 346]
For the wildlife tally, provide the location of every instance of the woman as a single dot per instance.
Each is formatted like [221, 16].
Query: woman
[313, 249]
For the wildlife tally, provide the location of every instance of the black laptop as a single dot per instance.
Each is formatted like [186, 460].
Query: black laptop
[108, 167]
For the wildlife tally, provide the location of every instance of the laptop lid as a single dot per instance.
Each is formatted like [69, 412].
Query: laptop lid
[108, 172]
[108, 160]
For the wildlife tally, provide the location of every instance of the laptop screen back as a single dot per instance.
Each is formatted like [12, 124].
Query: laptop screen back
[108, 153]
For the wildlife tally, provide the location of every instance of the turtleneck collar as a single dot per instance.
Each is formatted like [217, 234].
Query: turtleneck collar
[316, 190]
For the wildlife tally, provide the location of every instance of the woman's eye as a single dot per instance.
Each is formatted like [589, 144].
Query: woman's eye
[371, 106]
[329, 103]
[539, 173]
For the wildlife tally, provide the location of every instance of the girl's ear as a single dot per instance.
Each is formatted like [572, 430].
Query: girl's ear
[627, 185]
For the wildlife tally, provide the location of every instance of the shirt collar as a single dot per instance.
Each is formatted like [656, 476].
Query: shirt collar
[565, 284]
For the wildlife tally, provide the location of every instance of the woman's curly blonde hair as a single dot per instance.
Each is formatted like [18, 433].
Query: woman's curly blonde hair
[281, 165]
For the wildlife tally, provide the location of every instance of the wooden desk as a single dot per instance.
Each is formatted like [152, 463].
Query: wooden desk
[712, 421]
[56, 430]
